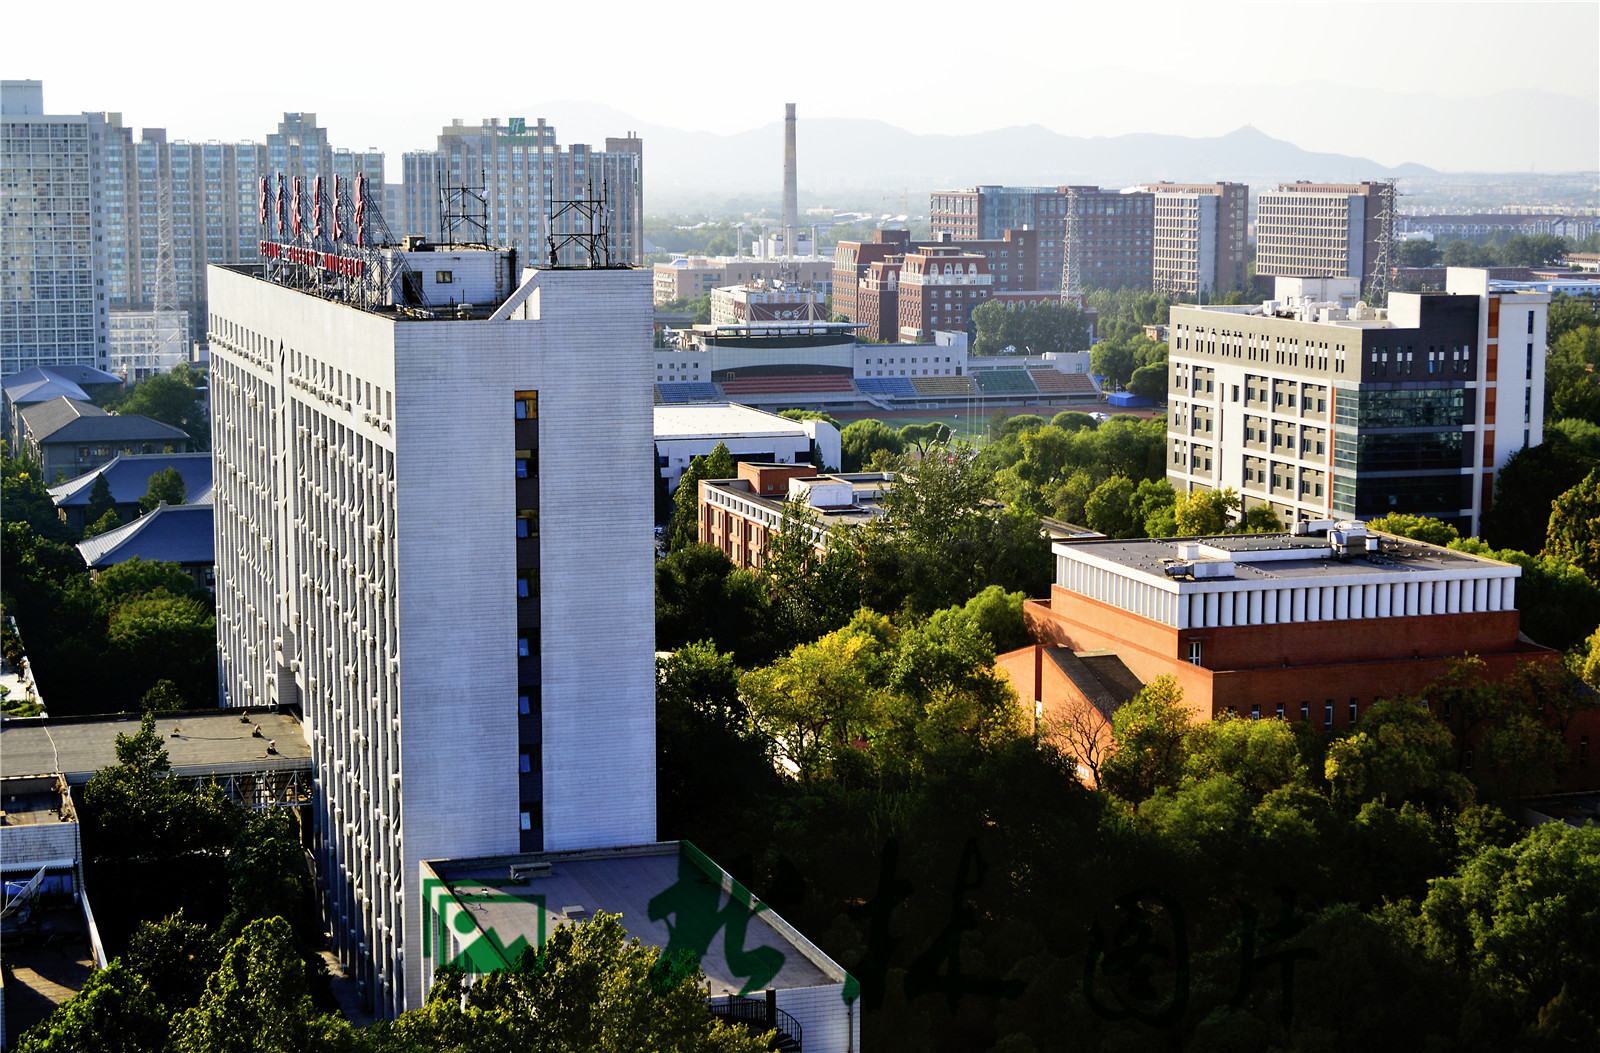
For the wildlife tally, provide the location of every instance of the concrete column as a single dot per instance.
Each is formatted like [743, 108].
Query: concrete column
[1413, 607]
[1328, 592]
[1496, 594]
[1181, 607]
[1425, 598]
[1212, 613]
[1508, 594]
[1197, 610]
[1480, 594]
[1341, 601]
[1269, 603]
[1225, 607]
[1299, 609]
[1452, 598]
[1441, 594]
[1385, 598]
[1255, 608]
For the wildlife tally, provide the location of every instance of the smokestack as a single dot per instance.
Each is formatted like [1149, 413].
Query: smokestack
[791, 193]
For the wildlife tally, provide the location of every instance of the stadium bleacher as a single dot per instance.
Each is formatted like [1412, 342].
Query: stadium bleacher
[784, 385]
[943, 386]
[895, 387]
[1052, 382]
[674, 393]
[1005, 382]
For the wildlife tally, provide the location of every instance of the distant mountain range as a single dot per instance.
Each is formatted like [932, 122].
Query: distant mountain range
[843, 158]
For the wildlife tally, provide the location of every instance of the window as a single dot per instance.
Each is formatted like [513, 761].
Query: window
[527, 405]
[1305, 711]
[527, 523]
[524, 463]
[443, 277]
[524, 708]
[1255, 711]
[527, 585]
[1530, 322]
[1352, 711]
[523, 647]
[525, 763]
[1327, 717]
[1280, 710]
[1194, 652]
[527, 820]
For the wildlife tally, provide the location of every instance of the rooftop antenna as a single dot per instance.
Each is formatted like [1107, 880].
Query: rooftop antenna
[463, 211]
[592, 236]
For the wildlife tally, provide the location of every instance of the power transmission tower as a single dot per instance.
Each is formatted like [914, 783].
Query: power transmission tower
[1383, 258]
[1071, 255]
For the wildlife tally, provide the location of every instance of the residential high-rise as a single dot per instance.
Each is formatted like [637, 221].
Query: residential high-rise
[207, 196]
[1199, 235]
[408, 495]
[520, 170]
[1325, 408]
[52, 234]
[1321, 230]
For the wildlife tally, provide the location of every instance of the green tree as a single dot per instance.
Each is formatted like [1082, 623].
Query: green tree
[1113, 360]
[1149, 381]
[176, 956]
[1419, 253]
[1417, 528]
[588, 988]
[1461, 253]
[861, 439]
[1400, 754]
[1522, 922]
[684, 528]
[925, 436]
[166, 485]
[1073, 420]
[257, 1000]
[1150, 732]
[815, 580]
[100, 500]
[998, 615]
[267, 878]
[167, 637]
[1533, 250]
[1575, 526]
[174, 398]
[1155, 503]
[1526, 487]
[163, 697]
[1110, 509]
[115, 1012]
[136, 577]
[1204, 513]
[103, 525]
[701, 595]
[1260, 519]
[1567, 313]
[1557, 600]
[813, 701]
[720, 463]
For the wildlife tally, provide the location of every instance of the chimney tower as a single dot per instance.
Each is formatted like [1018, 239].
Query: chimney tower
[791, 194]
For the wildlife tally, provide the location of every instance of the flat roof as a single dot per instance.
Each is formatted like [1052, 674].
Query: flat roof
[1262, 557]
[208, 741]
[660, 890]
[706, 420]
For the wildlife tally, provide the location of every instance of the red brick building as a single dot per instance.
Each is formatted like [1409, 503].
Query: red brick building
[1271, 625]
[877, 303]
[741, 515]
[939, 287]
[853, 259]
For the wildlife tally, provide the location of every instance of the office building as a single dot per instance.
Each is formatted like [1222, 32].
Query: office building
[501, 182]
[407, 497]
[1199, 235]
[1310, 628]
[768, 301]
[67, 438]
[1325, 408]
[1322, 230]
[689, 277]
[1115, 240]
[52, 234]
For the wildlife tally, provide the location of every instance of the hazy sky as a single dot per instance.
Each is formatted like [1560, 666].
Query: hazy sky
[389, 75]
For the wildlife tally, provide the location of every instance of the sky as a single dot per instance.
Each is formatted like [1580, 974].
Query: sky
[1321, 75]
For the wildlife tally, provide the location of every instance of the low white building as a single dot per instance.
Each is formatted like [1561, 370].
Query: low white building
[689, 431]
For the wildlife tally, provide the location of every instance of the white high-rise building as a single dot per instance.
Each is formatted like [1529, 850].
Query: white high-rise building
[433, 533]
[52, 236]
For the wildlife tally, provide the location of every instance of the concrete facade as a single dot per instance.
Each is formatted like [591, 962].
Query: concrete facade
[1324, 408]
[1199, 236]
[52, 234]
[350, 565]
[1321, 230]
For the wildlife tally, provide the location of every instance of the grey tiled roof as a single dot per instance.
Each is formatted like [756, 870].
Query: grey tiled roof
[129, 474]
[176, 533]
[68, 420]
